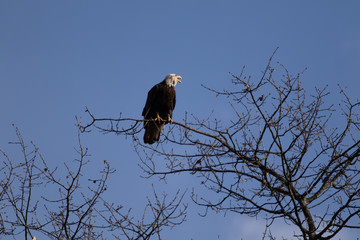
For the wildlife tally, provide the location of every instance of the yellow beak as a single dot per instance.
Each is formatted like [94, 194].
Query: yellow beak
[178, 77]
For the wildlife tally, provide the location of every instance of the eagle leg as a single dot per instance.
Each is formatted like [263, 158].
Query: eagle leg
[158, 118]
[169, 119]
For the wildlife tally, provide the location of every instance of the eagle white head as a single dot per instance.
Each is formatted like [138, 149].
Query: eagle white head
[172, 79]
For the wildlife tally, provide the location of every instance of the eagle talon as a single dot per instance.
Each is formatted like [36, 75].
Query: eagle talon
[170, 120]
[158, 118]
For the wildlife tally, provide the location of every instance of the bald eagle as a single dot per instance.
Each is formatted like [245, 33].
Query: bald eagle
[159, 106]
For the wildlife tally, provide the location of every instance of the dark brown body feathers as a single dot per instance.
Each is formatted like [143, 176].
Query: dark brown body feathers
[161, 100]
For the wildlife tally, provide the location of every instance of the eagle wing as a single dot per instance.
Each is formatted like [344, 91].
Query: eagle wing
[174, 100]
[152, 128]
[151, 98]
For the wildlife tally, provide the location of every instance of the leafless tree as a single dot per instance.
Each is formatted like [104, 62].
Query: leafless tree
[50, 203]
[284, 153]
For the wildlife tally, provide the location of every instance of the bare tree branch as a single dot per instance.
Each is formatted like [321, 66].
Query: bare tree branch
[49, 203]
[281, 153]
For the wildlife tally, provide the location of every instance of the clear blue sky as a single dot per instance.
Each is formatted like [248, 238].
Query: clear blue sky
[56, 57]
